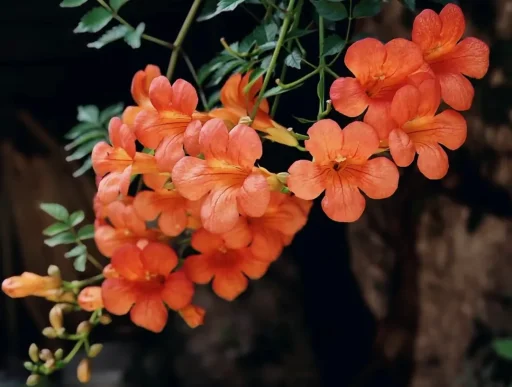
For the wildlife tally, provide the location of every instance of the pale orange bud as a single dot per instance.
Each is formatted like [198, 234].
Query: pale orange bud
[193, 315]
[28, 284]
[83, 372]
[110, 272]
[90, 299]
[56, 318]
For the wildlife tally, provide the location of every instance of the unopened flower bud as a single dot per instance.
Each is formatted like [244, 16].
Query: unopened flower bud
[66, 308]
[56, 318]
[95, 350]
[54, 271]
[90, 299]
[105, 319]
[33, 353]
[29, 366]
[83, 328]
[45, 354]
[50, 332]
[33, 380]
[28, 284]
[193, 315]
[83, 372]
[58, 354]
[49, 364]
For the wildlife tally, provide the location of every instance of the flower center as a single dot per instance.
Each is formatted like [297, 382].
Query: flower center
[339, 163]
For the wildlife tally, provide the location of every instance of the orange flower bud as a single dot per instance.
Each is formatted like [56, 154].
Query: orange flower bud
[57, 295]
[29, 284]
[193, 315]
[90, 299]
[110, 272]
[83, 372]
[56, 318]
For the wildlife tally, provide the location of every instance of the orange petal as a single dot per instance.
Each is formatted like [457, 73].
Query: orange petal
[360, 142]
[133, 222]
[250, 96]
[184, 97]
[110, 272]
[254, 196]
[229, 284]
[141, 83]
[456, 90]
[100, 161]
[405, 104]
[306, 180]
[151, 127]
[126, 261]
[378, 178]
[364, 59]
[193, 315]
[450, 129]
[90, 298]
[191, 178]
[161, 93]
[401, 148]
[267, 243]
[229, 116]
[198, 268]
[403, 57]
[239, 236]
[178, 291]
[205, 241]
[191, 138]
[168, 153]
[213, 139]
[453, 22]
[129, 115]
[173, 221]
[325, 141]
[430, 97]
[121, 136]
[426, 30]
[343, 202]
[432, 161]
[156, 181]
[146, 204]
[251, 266]
[348, 96]
[114, 184]
[158, 258]
[244, 146]
[118, 295]
[108, 239]
[219, 212]
[378, 116]
[149, 312]
[229, 93]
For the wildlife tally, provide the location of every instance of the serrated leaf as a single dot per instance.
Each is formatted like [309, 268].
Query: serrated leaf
[304, 120]
[111, 111]
[55, 229]
[411, 4]
[265, 63]
[115, 33]
[503, 348]
[55, 210]
[367, 8]
[222, 6]
[76, 218]
[84, 168]
[329, 10]
[333, 45]
[76, 251]
[72, 3]
[271, 31]
[298, 33]
[86, 232]
[255, 74]
[206, 70]
[80, 129]
[82, 151]
[94, 20]
[133, 38]
[293, 59]
[224, 70]
[88, 113]
[64, 238]
[80, 262]
[117, 4]
[93, 134]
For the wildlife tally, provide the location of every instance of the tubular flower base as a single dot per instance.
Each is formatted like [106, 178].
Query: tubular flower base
[30, 284]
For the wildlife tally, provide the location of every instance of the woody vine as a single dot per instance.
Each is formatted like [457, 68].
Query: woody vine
[181, 199]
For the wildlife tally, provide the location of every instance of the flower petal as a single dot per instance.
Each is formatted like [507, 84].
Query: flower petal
[343, 202]
[244, 146]
[306, 180]
[251, 266]
[205, 241]
[456, 90]
[254, 195]
[229, 93]
[173, 221]
[121, 136]
[401, 148]
[325, 141]
[432, 161]
[378, 178]
[118, 295]
[219, 212]
[426, 30]
[378, 116]
[193, 315]
[403, 57]
[198, 268]
[229, 284]
[348, 96]
[127, 262]
[184, 97]
[191, 138]
[114, 184]
[161, 93]
[361, 141]
[178, 291]
[156, 181]
[146, 205]
[364, 59]
[239, 236]
[168, 153]
[151, 127]
[191, 178]
[158, 258]
[450, 129]
[405, 104]
[149, 312]
[213, 139]
[267, 243]
[141, 83]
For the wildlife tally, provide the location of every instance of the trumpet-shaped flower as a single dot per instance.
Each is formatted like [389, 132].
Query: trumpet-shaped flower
[30, 284]
[236, 103]
[226, 176]
[145, 284]
[438, 37]
[90, 298]
[341, 167]
[419, 130]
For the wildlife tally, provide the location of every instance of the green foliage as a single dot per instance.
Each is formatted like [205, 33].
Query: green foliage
[293, 59]
[117, 4]
[133, 37]
[115, 33]
[91, 130]
[367, 8]
[215, 7]
[333, 11]
[72, 3]
[333, 45]
[411, 4]
[503, 348]
[63, 232]
[94, 20]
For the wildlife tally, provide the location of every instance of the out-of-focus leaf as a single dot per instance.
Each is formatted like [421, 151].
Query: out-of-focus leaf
[55, 229]
[278, 90]
[97, 134]
[72, 3]
[133, 38]
[333, 45]
[111, 111]
[82, 151]
[86, 232]
[115, 33]
[298, 33]
[94, 20]
[265, 63]
[411, 4]
[503, 348]
[329, 10]
[84, 168]
[80, 262]
[367, 8]
[117, 4]
[304, 120]
[88, 113]
[64, 238]
[55, 210]
[76, 217]
[224, 70]
[213, 99]
[76, 251]
[222, 6]
[80, 129]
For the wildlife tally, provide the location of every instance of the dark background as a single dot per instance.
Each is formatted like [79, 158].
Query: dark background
[346, 305]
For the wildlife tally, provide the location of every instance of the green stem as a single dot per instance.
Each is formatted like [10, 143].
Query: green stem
[321, 82]
[298, 81]
[88, 281]
[192, 70]
[327, 69]
[181, 37]
[73, 352]
[275, 55]
[347, 35]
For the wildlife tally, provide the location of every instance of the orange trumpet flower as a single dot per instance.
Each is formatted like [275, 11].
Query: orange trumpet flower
[90, 298]
[30, 284]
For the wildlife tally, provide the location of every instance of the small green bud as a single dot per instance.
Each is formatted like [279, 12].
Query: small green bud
[58, 354]
[95, 350]
[105, 319]
[56, 318]
[49, 332]
[83, 328]
[33, 353]
[29, 366]
[33, 380]
[54, 271]
[45, 354]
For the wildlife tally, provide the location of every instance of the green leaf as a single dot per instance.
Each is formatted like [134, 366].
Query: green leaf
[222, 6]
[94, 20]
[271, 31]
[503, 348]
[84, 168]
[72, 3]
[293, 59]
[213, 99]
[333, 45]
[55, 210]
[113, 34]
[411, 4]
[117, 4]
[76, 217]
[88, 113]
[265, 63]
[111, 111]
[82, 151]
[206, 70]
[86, 232]
[304, 120]
[297, 33]
[367, 8]
[64, 238]
[224, 70]
[80, 129]
[133, 38]
[76, 251]
[55, 229]
[255, 74]
[80, 262]
[279, 90]
[93, 134]
[268, 46]
[329, 10]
